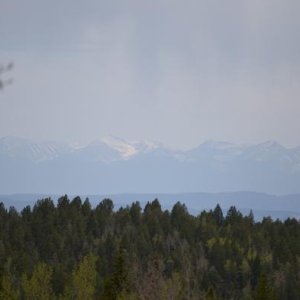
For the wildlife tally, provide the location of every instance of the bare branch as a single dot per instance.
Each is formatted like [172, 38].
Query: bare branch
[3, 70]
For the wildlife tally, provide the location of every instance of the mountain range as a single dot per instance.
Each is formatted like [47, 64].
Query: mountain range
[113, 165]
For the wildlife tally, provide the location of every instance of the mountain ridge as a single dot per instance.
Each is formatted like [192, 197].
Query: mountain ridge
[129, 149]
[113, 165]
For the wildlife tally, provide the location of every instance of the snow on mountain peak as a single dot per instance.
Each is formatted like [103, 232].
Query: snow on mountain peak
[110, 148]
[271, 145]
[34, 151]
[128, 149]
[124, 148]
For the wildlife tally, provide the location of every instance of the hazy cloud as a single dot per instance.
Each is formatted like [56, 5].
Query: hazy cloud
[173, 71]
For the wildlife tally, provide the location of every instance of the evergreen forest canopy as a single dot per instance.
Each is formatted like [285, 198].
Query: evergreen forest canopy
[73, 251]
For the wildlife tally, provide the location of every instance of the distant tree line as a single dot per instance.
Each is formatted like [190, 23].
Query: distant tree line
[70, 250]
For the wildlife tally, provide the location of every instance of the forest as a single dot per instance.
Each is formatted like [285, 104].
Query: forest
[71, 250]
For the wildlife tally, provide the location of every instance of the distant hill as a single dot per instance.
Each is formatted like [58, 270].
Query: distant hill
[112, 165]
[262, 205]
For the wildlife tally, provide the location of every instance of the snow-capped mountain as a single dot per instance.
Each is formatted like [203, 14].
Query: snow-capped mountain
[20, 148]
[216, 151]
[115, 165]
[129, 149]
[106, 149]
[110, 149]
[96, 151]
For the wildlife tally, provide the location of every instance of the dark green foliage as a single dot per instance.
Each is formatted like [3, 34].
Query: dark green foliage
[38, 286]
[264, 290]
[117, 285]
[218, 215]
[73, 251]
[83, 281]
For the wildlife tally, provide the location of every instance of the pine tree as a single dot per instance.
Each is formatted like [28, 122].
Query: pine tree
[218, 215]
[38, 287]
[83, 282]
[118, 286]
[8, 291]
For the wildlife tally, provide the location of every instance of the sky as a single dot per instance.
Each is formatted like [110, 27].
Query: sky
[176, 72]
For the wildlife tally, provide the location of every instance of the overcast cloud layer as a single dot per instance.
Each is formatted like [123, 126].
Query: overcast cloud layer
[178, 72]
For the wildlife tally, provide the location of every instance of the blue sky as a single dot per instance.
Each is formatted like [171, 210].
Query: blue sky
[178, 72]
